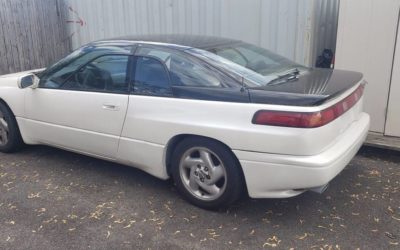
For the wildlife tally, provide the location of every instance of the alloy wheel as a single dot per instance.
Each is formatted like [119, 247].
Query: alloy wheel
[203, 173]
[4, 131]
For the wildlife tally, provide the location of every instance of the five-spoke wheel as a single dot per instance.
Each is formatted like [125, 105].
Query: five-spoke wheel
[207, 173]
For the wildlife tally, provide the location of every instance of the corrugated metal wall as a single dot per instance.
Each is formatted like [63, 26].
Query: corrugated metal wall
[297, 29]
[326, 19]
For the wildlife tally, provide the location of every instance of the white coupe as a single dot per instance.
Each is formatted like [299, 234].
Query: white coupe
[219, 116]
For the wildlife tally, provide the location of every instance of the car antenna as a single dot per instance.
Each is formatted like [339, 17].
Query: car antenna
[243, 85]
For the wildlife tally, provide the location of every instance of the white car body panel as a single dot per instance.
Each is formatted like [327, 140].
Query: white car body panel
[275, 160]
[147, 156]
[152, 122]
[11, 94]
[85, 121]
[157, 120]
[281, 176]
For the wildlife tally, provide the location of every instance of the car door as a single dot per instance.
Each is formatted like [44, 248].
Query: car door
[86, 113]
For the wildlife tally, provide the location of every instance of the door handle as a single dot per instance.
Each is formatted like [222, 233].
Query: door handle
[111, 107]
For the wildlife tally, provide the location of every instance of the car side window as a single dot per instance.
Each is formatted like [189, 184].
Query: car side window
[61, 71]
[105, 74]
[150, 77]
[183, 70]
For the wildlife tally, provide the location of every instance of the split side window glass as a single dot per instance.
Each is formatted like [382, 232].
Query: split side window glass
[56, 75]
[183, 70]
[150, 77]
[104, 74]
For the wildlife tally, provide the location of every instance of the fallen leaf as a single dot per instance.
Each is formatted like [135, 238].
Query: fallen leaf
[394, 217]
[119, 221]
[31, 196]
[303, 237]
[390, 235]
[272, 242]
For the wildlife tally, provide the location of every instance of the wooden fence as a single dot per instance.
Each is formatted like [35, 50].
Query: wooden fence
[32, 34]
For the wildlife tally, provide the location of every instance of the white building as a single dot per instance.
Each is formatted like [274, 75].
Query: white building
[366, 42]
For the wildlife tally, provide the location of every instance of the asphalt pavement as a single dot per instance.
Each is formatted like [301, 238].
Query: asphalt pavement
[53, 199]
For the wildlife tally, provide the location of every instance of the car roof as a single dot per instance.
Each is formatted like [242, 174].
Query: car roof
[177, 41]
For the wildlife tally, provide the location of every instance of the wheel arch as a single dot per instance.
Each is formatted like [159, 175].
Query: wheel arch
[6, 104]
[18, 140]
[12, 105]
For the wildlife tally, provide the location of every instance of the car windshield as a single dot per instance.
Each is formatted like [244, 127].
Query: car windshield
[256, 65]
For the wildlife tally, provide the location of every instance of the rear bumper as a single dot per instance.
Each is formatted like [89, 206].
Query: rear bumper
[279, 176]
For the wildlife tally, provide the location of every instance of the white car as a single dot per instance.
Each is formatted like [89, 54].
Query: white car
[219, 116]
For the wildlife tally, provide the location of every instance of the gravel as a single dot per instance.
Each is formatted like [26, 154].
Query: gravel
[53, 199]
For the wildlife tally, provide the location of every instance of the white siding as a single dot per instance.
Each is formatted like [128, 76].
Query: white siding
[366, 43]
[393, 117]
[297, 29]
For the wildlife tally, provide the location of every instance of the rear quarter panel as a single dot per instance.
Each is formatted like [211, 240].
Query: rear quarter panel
[157, 120]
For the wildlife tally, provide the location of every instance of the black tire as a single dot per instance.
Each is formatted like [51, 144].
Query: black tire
[232, 190]
[14, 140]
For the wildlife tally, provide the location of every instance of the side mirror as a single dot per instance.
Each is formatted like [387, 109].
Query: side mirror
[30, 80]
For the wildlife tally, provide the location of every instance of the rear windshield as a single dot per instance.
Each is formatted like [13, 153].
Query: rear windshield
[256, 65]
[254, 58]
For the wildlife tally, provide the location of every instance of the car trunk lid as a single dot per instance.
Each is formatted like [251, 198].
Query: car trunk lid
[332, 97]
[323, 121]
[312, 88]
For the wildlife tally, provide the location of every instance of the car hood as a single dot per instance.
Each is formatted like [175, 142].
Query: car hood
[11, 80]
[312, 88]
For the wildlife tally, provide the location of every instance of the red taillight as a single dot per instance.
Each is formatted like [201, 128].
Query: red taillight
[308, 120]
